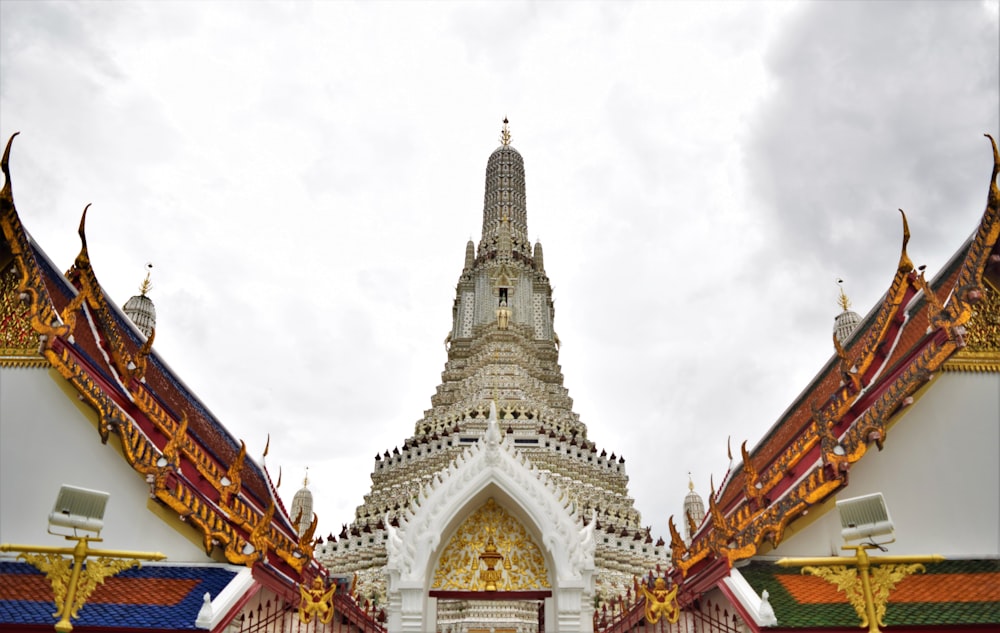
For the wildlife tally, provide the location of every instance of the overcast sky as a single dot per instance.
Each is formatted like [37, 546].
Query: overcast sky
[304, 178]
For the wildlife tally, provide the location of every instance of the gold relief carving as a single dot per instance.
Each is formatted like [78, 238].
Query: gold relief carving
[316, 601]
[17, 339]
[983, 328]
[660, 602]
[490, 576]
[462, 562]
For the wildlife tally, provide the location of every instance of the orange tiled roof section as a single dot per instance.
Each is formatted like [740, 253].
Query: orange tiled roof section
[152, 591]
[980, 587]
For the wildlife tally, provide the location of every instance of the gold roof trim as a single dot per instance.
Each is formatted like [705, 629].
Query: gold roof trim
[979, 362]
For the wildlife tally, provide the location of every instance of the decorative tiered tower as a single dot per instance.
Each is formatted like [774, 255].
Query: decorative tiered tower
[502, 350]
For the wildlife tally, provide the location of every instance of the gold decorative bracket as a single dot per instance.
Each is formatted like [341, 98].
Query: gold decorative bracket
[72, 583]
[866, 580]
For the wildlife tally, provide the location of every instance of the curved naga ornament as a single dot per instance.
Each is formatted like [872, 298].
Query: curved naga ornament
[660, 602]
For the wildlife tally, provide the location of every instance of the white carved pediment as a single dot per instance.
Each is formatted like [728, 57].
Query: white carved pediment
[493, 466]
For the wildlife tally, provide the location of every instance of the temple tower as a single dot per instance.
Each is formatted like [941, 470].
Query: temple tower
[140, 308]
[502, 371]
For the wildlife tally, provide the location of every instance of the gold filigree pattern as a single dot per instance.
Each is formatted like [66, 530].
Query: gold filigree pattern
[56, 569]
[983, 328]
[460, 566]
[93, 574]
[882, 578]
[17, 339]
[845, 579]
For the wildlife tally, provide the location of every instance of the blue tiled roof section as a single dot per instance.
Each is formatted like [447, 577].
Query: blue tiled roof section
[179, 616]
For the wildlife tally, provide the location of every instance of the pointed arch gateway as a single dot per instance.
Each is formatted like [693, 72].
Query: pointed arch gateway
[491, 485]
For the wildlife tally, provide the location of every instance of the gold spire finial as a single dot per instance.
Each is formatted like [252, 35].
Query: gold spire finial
[305, 482]
[505, 133]
[843, 301]
[690, 482]
[146, 284]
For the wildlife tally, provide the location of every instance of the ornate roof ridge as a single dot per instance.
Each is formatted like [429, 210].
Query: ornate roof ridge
[241, 523]
[761, 500]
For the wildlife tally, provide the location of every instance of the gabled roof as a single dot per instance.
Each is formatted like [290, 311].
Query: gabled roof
[193, 464]
[953, 592]
[153, 597]
[850, 405]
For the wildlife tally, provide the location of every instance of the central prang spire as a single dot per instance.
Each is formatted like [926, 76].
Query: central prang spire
[502, 382]
[505, 198]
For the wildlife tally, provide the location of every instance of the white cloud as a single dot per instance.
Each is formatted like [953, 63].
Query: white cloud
[305, 176]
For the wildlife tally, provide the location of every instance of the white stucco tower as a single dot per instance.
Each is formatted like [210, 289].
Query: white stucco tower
[498, 512]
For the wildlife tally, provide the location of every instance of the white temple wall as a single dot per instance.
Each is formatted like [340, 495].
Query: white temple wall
[48, 438]
[939, 473]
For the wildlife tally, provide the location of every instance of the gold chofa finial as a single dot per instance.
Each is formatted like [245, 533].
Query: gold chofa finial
[146, 284]
[843, 301]
[505, 133]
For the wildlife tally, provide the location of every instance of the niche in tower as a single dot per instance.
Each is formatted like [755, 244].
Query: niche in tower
[503, 290]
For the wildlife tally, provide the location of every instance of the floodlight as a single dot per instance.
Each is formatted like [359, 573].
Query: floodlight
[79, 509]
[864, 517]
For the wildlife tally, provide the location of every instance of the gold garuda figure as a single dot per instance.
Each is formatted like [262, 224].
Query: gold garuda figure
[661, 603]
[316, 601]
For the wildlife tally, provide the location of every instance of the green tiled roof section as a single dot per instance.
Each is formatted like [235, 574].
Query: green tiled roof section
[792, 614]
[789, 612]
